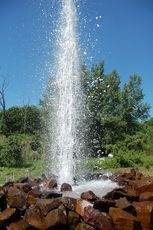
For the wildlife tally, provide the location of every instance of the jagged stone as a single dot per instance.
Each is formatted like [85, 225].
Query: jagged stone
[73, 220]
[97, 219]
[144, 211]
[5, 216]
[123, 220]
[35, 192]
[34, 218]
[31, 200]
[50, 183]
[69, 203]
[46, 205]
[89, 195]
[146, 196]
[80, 206]
[83, 226]
[16, 198]
[18, 225]
[104, 204]
[56, 217]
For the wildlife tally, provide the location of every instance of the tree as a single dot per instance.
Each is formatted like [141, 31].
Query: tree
[3, 88]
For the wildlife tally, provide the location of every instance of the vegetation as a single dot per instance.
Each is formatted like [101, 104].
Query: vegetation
[118, 123]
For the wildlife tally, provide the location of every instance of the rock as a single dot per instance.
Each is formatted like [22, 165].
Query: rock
[3, 204]
[143, 185]
[99, 220]
[24, 187]
[69, 203]
[146, 196]
[16, 198]
[31, 200]
[6, 215]
[34, 218]
[73, 220]
[89, 195]
[144, 211]
[19, 225]
[46, 205]
[50, 183]
[83, 226]
[123, 220]
[104, 204]
[51, 194]
[66, 187]
[80, 206]
[122, 203]
[56, 217]
[35, 192]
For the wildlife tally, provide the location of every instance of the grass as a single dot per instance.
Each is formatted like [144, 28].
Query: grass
[35, 168]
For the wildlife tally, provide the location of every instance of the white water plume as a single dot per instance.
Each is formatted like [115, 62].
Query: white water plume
[65, 99]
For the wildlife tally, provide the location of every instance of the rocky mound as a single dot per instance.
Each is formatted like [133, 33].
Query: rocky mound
[24, 206]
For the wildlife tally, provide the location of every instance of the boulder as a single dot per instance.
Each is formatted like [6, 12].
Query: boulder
[50, 183]
[104, 204]
[97, 219]
[65, 187]
[6, 215]
[56, 217]
[73, 220]
[80, 206]
[69, 203]
[46, 205]
[123, 220]
[33, 218]
[16, 198]
[18, 225]
[89, 195]
[146, 196]
[144, 211]
[35, 192]
[83, 226]
[3, 204]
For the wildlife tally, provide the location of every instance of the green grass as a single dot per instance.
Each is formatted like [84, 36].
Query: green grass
[35, 168]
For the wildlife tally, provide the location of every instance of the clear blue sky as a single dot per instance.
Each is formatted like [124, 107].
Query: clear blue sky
[120, 32]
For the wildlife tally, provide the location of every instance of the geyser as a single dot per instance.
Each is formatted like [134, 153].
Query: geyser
[65, 99]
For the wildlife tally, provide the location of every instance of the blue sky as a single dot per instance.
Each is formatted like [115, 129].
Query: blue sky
[120, 32]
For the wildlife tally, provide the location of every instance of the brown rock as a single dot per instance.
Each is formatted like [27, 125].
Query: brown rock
[46, 205]
[123, 220]
[122, 203]
[146, 196]
[143, 185]
[19, 225]
[89, 195]
[73, 220]
[6, 214]
[3, 204]
[99, 220]
[51, 194]
[16, 198]
[50, 183]
[25, 187]
[80, 205]
[34, 218]
[35, 192]
[56, 217]
[69, 203]
[144, 211]
[31, 200]
[104, 204]
[66, 187]
[83, 226]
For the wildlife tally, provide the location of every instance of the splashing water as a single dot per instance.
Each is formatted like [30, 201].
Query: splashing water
[65, 99]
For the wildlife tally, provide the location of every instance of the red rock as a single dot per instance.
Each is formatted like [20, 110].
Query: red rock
[19, 225]
[6, 214]
[89, 195]
[46, 205]
[144, 211]
[146, 196]
[104, 204]
[99, 220]
[34, 218]
[56, 217]
[143, 185]
[69, 203]
[50, 183]
[123, 220]
[16, 198]
[80, 205]
[73, 220]
[31, 200]
[66, 187]
[83, 226]
[25, 187]
[35, 192]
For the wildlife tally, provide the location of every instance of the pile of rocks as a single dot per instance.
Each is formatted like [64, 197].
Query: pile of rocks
[24, 205]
